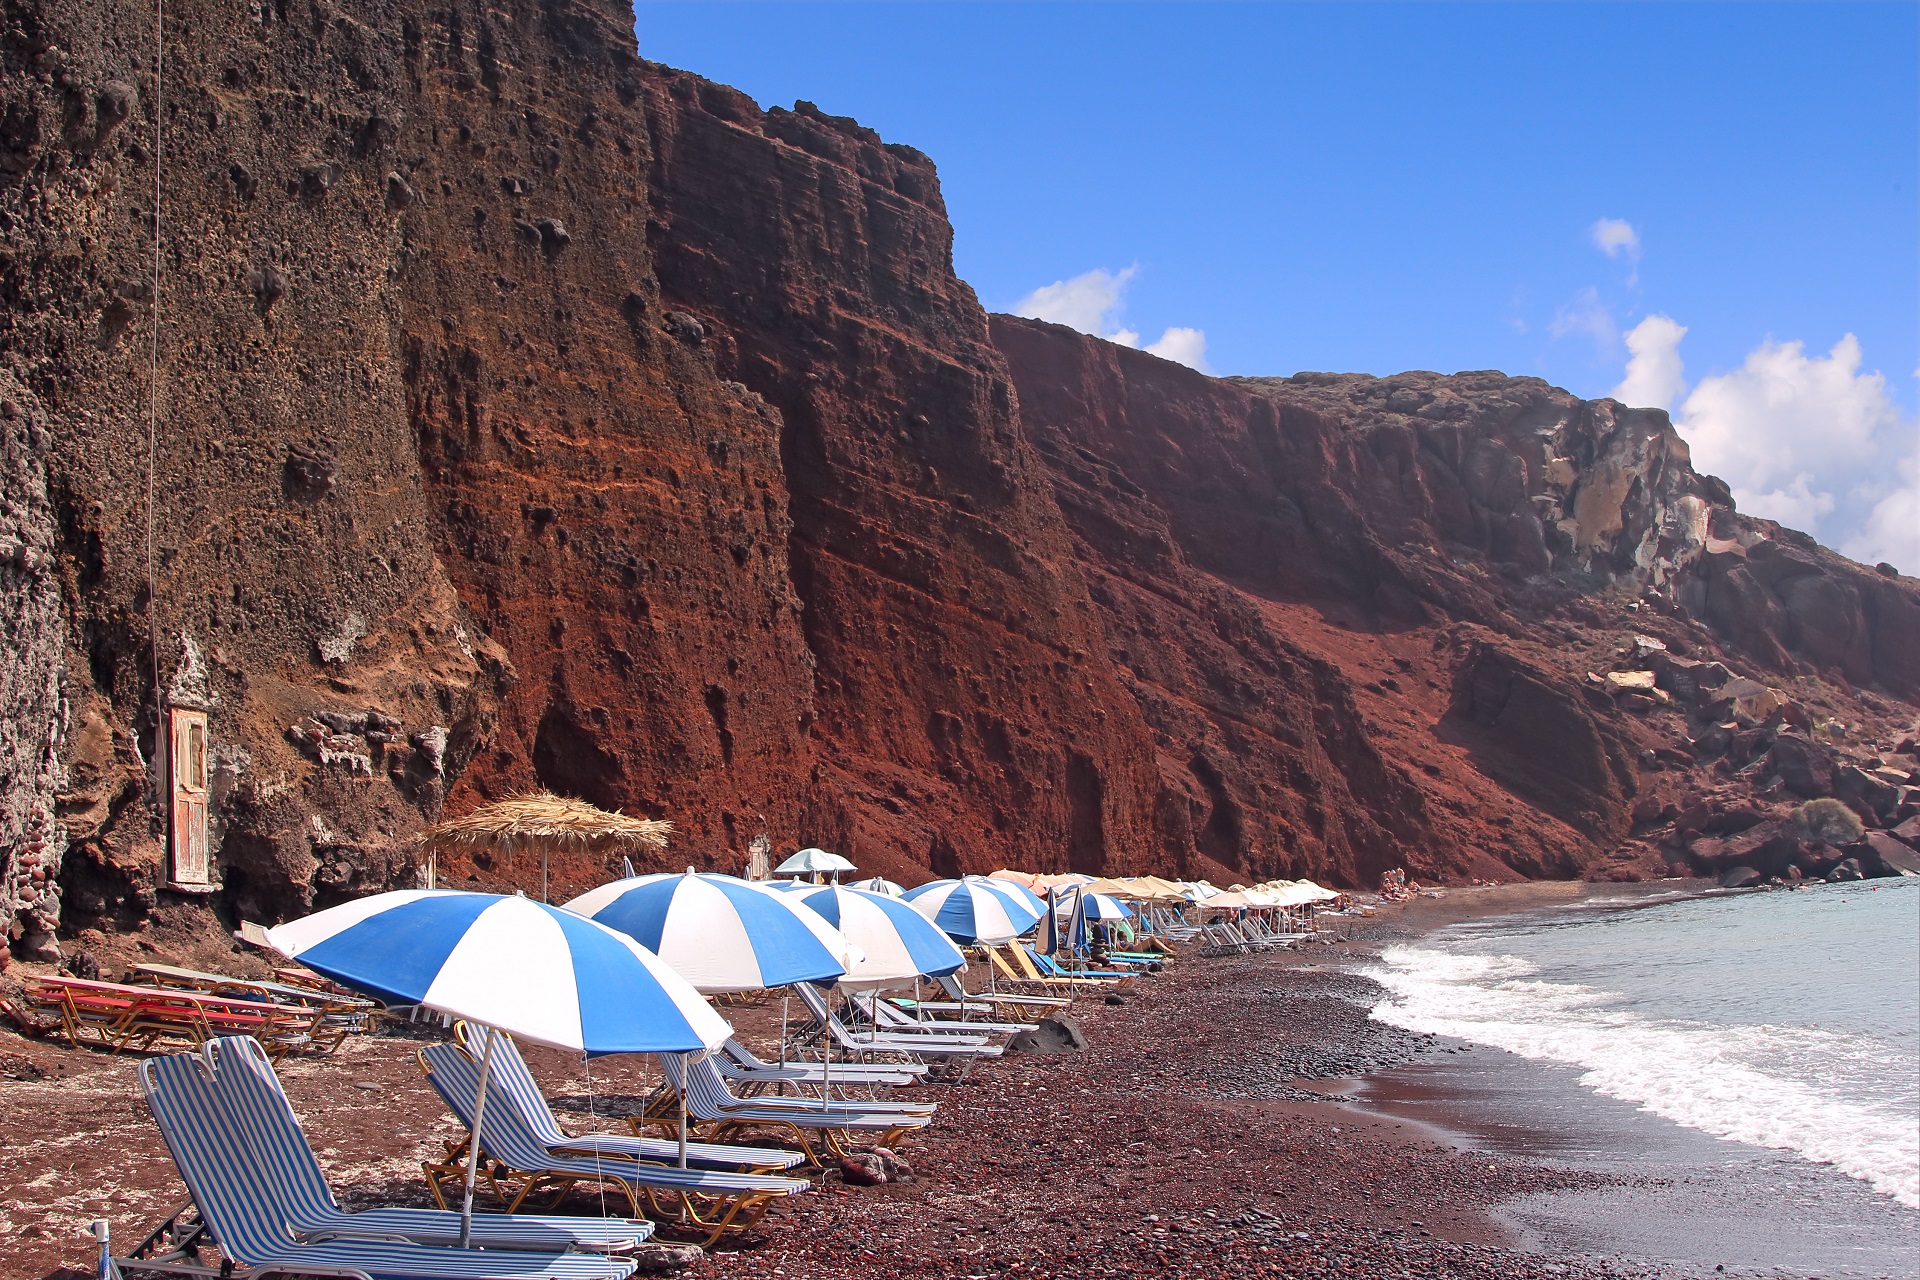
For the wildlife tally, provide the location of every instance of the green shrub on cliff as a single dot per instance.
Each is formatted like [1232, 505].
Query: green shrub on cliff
[1827, 820]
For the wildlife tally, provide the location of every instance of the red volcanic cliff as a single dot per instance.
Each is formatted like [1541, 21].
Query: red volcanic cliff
[522, 413]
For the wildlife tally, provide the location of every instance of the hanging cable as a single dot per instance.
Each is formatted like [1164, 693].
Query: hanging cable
[153, 386]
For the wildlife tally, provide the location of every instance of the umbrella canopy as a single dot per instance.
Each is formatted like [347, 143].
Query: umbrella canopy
[876, 885]
[899, 943]
[1030, 879]
[968, 912]
[539, 972]
[810, 860]
[719, 932]
[1020, 895]
[1099, 906]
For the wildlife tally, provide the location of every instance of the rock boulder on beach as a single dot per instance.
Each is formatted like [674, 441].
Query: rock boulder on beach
[1057, 1033]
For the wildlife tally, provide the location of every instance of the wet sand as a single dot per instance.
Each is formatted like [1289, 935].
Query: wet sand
[1693, 1203]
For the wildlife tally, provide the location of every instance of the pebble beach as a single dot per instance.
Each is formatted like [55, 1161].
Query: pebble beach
[1196, 1135]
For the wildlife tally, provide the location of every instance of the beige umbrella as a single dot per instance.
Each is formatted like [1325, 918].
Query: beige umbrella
[545, 822]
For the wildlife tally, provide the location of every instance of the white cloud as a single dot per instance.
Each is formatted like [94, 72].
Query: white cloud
[1084, 302]
[1656, 377]
[1891, 533]
[1093, 302]
[1617, 238]
[1788, 432]
[1586, 313]
[1183, 346]
[1783, 413]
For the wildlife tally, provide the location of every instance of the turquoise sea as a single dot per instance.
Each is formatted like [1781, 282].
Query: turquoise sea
[1785, 1020]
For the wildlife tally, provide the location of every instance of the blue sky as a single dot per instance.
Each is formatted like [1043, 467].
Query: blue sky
[1382, 187]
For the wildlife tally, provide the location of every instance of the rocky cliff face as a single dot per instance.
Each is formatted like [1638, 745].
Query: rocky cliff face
[517, 412]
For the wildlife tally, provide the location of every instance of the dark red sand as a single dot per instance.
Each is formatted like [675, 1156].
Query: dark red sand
[1184, 1142]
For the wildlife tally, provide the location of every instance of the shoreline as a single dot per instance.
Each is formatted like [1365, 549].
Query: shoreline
[1190, 1137]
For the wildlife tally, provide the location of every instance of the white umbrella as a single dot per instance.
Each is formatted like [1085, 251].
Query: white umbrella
[877, 885]
[808, 861]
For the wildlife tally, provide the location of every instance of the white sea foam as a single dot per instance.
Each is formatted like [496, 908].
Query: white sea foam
[1822, 1094]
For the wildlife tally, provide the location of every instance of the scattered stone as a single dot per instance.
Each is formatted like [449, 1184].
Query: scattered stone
[656, 1259]
[1739, 878]
[1618, 682]
[863, 1169]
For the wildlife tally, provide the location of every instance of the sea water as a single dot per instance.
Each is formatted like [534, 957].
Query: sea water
[1784, 1020]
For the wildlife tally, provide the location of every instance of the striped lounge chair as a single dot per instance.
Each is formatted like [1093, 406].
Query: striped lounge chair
[245, 1083]
[229, 1189]
[944, 1046]
[710, 1103]
[743, 1069]
[510, 1078]
[515, 1164]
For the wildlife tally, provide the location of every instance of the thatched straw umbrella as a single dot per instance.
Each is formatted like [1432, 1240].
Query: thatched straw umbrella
[545, 822]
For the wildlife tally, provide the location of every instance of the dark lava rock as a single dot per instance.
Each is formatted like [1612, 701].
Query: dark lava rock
[1803, 765]
[1057, 1034]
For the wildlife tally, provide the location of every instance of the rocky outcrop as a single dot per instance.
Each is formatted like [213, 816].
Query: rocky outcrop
[506, 410]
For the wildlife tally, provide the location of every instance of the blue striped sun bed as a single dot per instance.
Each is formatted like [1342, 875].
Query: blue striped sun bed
[510, 1075]
[710, 1102]
[228, 1187]
[714, 1201]
[258, 1108]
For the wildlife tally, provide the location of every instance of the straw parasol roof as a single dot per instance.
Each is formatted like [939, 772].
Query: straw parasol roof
[549, 823]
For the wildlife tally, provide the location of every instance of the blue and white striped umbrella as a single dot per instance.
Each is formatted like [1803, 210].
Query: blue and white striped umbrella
[1098, 906]
[719, 932]
[1019, 893]
[879, 884]
[539, 972]
[899, 942]
[970, 913]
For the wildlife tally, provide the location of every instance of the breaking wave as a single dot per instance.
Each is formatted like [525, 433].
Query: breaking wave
[1830, 1096]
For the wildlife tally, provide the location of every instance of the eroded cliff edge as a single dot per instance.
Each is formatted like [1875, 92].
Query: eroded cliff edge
[531, 414]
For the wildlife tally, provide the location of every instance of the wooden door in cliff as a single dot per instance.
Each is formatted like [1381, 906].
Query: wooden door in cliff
[187, 761]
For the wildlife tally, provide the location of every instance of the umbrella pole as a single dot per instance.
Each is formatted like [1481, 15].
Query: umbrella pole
[783, 1029]
[686, 1070]
[473, 1147]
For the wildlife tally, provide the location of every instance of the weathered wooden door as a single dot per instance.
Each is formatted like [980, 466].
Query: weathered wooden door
[187, 761]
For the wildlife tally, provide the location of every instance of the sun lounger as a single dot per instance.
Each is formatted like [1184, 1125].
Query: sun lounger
[515, 1164]
[1029, 1008]
[230, 1191]
[744, 1070]
[710, 1104]
[340, 1015]
[511, 1079]
[1007, 974]
[244, 1082]
[1047, 967]
[118, 1017]
[955, 1046]
[885, 1017]
[1051, 967]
